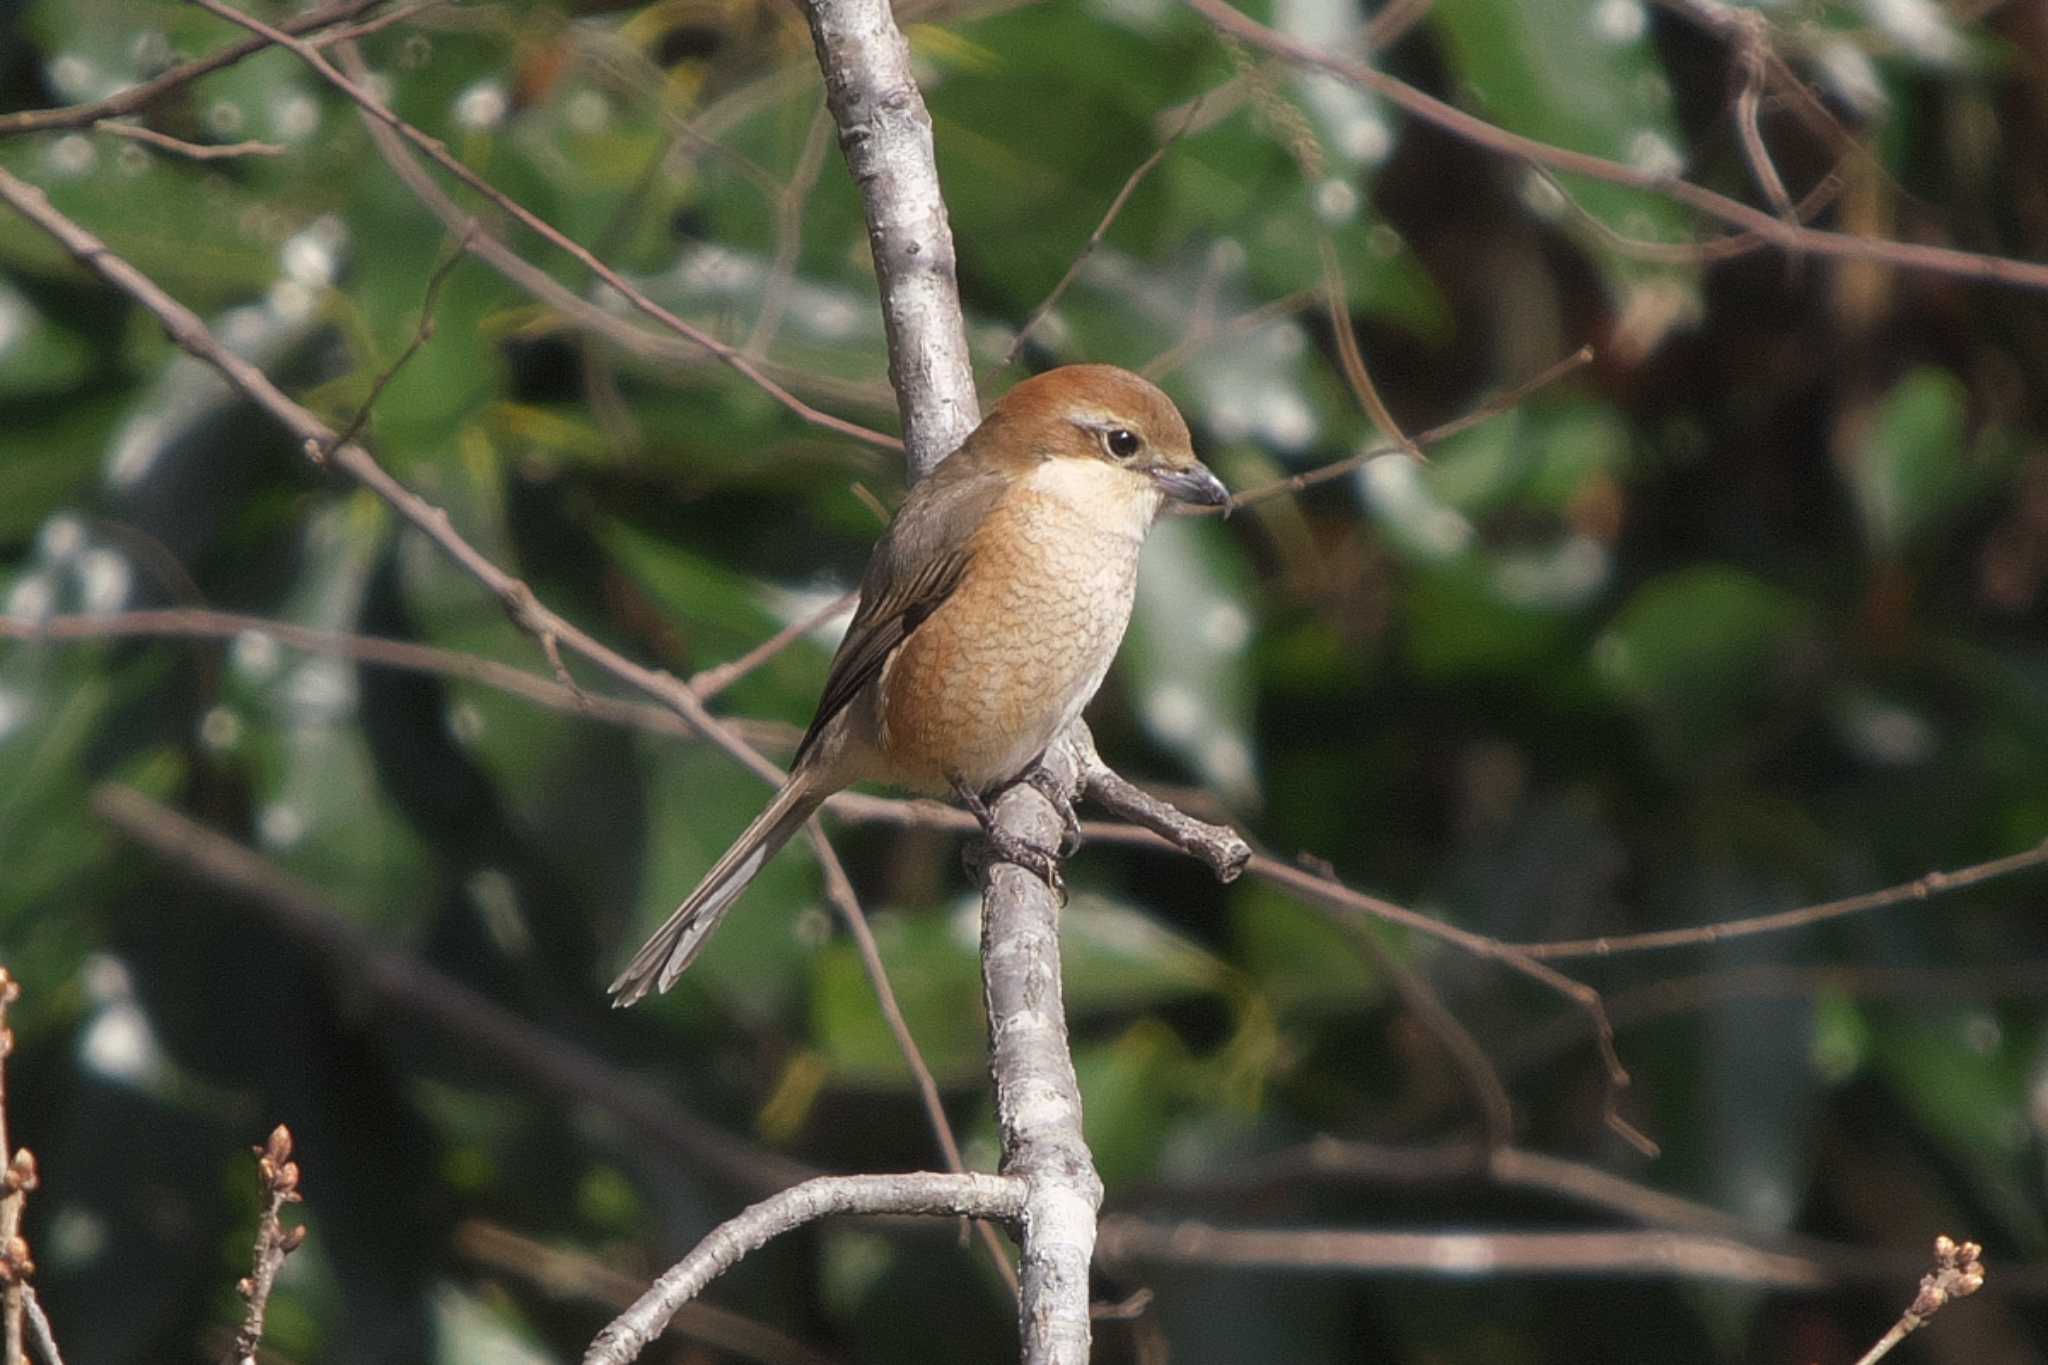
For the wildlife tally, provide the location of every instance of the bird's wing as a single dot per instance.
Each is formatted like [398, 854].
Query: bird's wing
[916, 566]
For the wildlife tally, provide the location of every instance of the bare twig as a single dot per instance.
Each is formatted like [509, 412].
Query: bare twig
[1351, 360]
[1750, 61]
[1481, 1080]
[39, 1330]
[1958, 1273]
[1919, 889]
[789, 234]
[421, 335]
[526, 611]
[191, 151]
[565, 1274]
[1726, 247]
[840, 891]
[1221, 847]
[1477, 131]
[1116, 207]
[973, 1195]
[1325, 890]
[709, 682]
[886, 134]
[1459, 1255]
[1504, 401]
[442, 157]
[138, 97]
[195, 623]
[1206, 332]
[17, 1178]
[274, 1241]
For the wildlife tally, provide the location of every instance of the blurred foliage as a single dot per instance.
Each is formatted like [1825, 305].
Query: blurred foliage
[1746, 614]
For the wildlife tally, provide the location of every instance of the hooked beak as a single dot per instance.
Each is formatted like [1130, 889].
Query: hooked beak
[1191, 483]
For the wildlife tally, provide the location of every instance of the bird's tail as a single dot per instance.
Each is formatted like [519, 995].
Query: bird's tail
[676, 944]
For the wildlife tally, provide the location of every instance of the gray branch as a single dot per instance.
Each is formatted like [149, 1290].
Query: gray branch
[1038, 1097]
[973, 1195]
[1220, 846]
[887, 137]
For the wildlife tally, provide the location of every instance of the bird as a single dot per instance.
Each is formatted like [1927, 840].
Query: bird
[989, 613]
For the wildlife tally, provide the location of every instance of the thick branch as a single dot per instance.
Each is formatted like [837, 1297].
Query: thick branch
[887, 137]
[1038, 1097]
[974, 1195]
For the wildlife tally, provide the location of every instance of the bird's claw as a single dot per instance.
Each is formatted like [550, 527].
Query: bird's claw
[999, 845]
[1063, 802]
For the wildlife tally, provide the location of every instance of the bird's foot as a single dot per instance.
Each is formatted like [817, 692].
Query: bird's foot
[1063, 802]
[998, 845]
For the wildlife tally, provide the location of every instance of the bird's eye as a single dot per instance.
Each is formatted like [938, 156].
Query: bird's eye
[1122, 442]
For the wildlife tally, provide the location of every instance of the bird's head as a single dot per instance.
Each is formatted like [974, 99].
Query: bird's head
[1113, 420]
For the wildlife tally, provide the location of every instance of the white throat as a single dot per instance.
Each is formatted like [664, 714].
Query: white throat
[1102, 496]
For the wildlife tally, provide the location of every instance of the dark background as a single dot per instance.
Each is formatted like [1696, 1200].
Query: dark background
[1745, 614]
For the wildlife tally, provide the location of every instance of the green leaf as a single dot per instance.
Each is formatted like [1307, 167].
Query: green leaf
[937, 979]
[1129, 1090]
[1699, 653]
[1915, 471]
[1583, 76]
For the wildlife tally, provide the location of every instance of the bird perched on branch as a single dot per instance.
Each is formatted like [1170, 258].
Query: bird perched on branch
[988, 616]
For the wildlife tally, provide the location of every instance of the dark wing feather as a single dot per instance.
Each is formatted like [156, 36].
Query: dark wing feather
[916, 566]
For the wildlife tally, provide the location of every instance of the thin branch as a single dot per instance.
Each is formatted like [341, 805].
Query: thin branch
[1207, 332]
[973, 1195]
[1481, 1080]
[191, 151]
[1504, 401]
[139, 97]
[39, 1331]
[409, 989]
[1958, 1273]
[1393, 21]
[886, 135]
[1131, 1241]
[669, 354]
[190, 334]
[1116, 207]
[421, 335]
[442, 157]
[789, 233]
[274, 1241]
[195, 623]
[1919, 889]
[1327, 891]
[709, 682]
[1750, 54]
[1351, 360]
[1220, 846]
[1727, 247]
[564, 1274]
[17, 1179]
[839, 890]
[1477, 131]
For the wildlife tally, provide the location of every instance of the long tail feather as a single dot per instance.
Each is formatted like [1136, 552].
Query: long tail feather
[676, 944]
